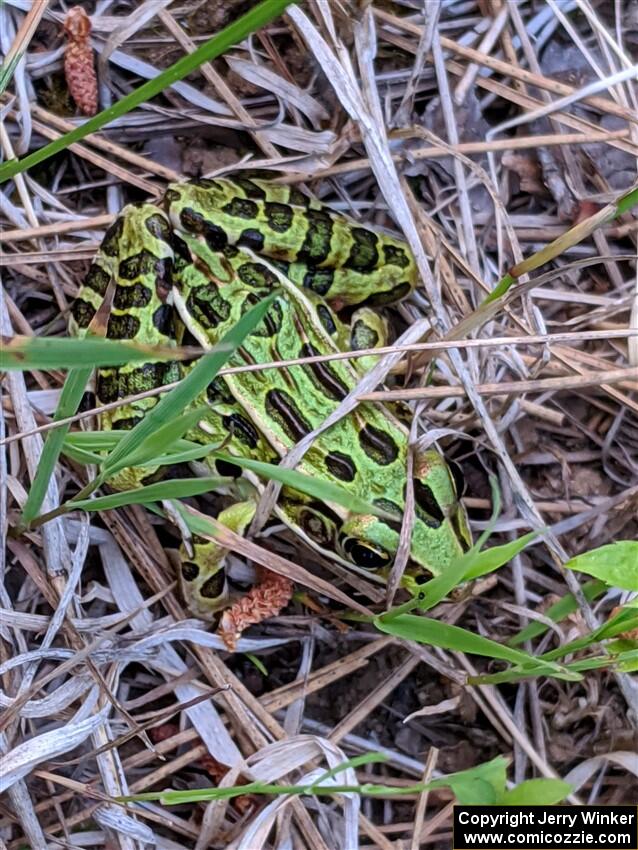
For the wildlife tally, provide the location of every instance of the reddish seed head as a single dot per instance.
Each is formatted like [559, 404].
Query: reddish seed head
[77, 23]
[79, 69]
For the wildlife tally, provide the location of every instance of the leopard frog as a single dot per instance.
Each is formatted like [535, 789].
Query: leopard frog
[189, 267]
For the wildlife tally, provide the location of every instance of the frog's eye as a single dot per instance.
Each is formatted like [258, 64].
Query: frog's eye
[366, 555]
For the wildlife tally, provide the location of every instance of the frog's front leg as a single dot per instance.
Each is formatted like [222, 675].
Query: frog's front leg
[205, 588]
[202, 572]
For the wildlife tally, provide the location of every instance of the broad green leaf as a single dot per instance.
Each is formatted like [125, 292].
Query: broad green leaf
[616, 564]
[536, 792]
[174, 488]
[480, 785]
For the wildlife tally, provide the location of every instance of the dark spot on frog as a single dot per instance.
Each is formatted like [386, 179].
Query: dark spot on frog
[97, 279]
[319, 280]
[378, 445]
[164, 320]
[390, 296]
[194, 222]
[250, 189]
[317, 244]
[363, 336]
[207, 306]
[256, 275]
[122, 327]
[190, 571]
[323, 376]
[327, 319]
[251, 238]
[393, 255]
[242, 429]
[281, 407]
[131, 296]
[112, 238]
[159, 227]
[241, 208]
[279, 216]
[364, 253]
[341, 466]
[83, 312]
[213, 587]
[428, 509]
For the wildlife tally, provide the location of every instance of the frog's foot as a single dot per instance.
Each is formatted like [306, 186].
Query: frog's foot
[266, 599]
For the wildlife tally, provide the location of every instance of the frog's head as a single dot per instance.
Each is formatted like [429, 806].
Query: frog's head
[440, 532]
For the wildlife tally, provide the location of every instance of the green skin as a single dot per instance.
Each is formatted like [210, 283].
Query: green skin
[218, 247]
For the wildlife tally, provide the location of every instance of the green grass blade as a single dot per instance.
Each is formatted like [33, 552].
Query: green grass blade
[7, 70]
[557, 612]
[517, 674]
[21, 353]
[162, 439]
[93, 441]
[536, 792]
[178, 399]
[70, 398]
[259, 16]
[81, 456]
[624, 621]
[435, 633]
[175, 488]
[83, 446]
[496, 556]
[325, 491]
[566, 240]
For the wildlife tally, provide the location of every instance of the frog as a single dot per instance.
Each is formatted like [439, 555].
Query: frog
[187, 269]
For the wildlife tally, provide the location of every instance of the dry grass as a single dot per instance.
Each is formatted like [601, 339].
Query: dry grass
[481, 132]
